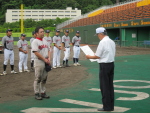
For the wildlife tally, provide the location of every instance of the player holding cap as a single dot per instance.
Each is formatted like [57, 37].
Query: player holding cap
[23, 53]
[32, 54]
[66, 46]
[41, 49]
[8, 45]
[57, 50]
[76, 48]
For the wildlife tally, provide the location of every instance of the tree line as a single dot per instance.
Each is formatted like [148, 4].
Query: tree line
[85, 6]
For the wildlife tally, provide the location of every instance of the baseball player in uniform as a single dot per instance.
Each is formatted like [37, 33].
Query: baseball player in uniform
[8, 45]
[48, 38]
[57, 49]
[66, 46]
[32, 54]
[23, 53]
[76, 48]
[41, 49]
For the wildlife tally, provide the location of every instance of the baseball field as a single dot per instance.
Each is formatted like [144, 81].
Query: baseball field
[76, 89]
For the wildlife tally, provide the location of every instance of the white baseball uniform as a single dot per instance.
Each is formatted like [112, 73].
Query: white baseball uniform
[8, 44]
[23, 57]
[56, 52]
[42, 47]
[66, 41]
[76, 48]
[32, 54]
[49, 40]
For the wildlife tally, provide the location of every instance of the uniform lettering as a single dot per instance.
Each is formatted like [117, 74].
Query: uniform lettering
[42, 46]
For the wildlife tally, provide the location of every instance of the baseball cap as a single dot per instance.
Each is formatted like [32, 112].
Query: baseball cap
[33, 32]
[47, 31]
[77, 31]
[67, 31]
[57, 30]
[8, 30]
[100, 30]
[23, 35]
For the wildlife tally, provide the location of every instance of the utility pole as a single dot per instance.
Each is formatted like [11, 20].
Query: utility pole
[117, 1]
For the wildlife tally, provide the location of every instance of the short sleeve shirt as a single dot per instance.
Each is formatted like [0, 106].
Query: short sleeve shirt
[49, 40]
[57, 40]
[76, 40]
[66, 40]
[8, 42]
[22, 44]
[106, 50]
[41, 46]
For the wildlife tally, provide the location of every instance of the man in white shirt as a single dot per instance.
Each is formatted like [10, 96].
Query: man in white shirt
[105, 54]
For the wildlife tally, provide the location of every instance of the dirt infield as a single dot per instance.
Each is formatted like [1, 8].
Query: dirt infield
[20, 86]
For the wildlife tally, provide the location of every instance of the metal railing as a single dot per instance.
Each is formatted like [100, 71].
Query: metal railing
[145, 44]
[59, 26]
[125, 43]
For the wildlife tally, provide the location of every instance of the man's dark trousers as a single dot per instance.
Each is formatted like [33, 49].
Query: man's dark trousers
[106, 76]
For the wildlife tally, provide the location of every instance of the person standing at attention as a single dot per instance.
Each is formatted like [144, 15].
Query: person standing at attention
[105, 54]
[76, 48]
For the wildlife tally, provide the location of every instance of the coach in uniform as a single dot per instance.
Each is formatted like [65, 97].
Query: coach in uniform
[23, 53]
[8, 45]
[66, 46]
[105, 54]
[32, 54]
[76, 48]
[41, 49]
[57, 50]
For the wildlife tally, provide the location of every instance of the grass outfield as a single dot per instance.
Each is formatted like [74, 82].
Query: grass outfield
[28, 34]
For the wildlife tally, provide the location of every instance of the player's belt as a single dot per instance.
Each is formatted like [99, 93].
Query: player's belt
[9, 49]
[67, 47]
[77, 45]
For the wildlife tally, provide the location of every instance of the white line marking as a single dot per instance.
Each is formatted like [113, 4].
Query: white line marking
[139, 95]
[95, 105]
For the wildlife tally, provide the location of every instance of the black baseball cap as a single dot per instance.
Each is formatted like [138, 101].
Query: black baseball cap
[47, 31]
[57, 30]
[33, 32]
[8, 30]
[67, 31]
[23, 35]
[78, 32]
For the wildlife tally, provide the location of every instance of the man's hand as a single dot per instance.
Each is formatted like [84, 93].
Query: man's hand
[88, 56]
[64, 49]
[25, 52]
[46, 61]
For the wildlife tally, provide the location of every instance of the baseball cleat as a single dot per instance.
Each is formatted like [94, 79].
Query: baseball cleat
[20, 71]
[59, 66]
[75, 64]
[4, 73]
[54, 67]
[26, 70]
[43, 95]
[38, 97]
[14, 72]
[78, 64]
[32, 69]
[67, 65]
[1, 74]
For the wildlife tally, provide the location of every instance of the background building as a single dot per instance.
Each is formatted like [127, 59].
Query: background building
[13, 15]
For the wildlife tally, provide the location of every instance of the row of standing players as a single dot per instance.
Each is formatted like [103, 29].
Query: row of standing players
[59, 44]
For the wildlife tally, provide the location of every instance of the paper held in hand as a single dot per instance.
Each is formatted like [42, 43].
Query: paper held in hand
[88, 51]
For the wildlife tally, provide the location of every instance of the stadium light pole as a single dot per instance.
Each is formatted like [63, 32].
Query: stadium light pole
[22, 21]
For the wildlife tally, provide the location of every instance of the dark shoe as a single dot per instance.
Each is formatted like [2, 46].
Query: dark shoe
[43, 95]
[32, 69]
[63, 66]
[101, 109]
[38, 97]
[67, 65]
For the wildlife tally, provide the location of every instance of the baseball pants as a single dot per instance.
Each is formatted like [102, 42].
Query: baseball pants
[67, 54]
[8, 54]
[56, 57]
[76, 51]
[23, 61]
[40, 76]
